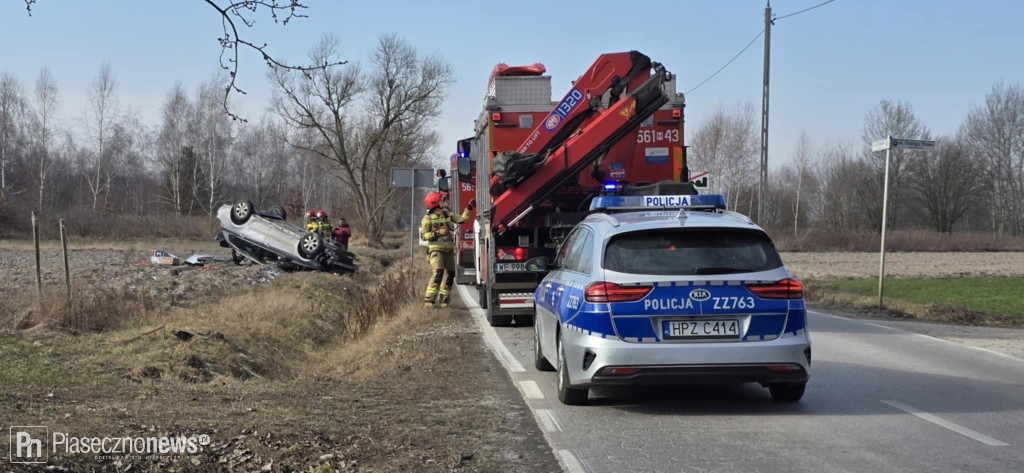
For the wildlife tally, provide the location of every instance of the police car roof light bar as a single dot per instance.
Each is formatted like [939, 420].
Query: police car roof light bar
[659, 202]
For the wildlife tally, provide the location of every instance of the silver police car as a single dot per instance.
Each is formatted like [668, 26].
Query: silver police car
[669, 290]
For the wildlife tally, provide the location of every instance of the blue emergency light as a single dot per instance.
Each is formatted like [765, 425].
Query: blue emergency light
[611, 186]
[651, 202]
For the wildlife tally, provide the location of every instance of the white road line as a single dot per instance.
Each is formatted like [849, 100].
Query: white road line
[929, 337]
[572, 465]
[530, 389]
[947, 424]
[490, 336]
[547, 420]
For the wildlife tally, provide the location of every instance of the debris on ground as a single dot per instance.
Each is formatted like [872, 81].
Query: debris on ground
[203, 260]
[164, 258]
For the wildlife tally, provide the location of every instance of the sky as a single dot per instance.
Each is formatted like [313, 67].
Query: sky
[829, 65]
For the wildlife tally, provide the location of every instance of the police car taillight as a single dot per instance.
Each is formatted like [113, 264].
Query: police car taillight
[784, 289]
[610, 292]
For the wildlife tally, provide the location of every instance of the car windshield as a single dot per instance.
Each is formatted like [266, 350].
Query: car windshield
[691, 252]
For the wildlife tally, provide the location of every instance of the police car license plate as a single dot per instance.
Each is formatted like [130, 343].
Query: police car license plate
[701, 328]
[510, 267]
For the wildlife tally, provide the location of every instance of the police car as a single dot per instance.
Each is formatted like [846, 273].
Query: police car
[669, 290]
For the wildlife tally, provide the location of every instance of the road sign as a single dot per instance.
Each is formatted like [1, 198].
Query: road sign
[888, 144]
[410, 177]
[925, 145]
[701, 180]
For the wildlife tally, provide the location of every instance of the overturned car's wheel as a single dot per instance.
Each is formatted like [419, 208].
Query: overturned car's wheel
[241, 211]
[310, 245]
[279, 212]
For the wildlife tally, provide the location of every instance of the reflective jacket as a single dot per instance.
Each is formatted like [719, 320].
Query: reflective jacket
[435, 220]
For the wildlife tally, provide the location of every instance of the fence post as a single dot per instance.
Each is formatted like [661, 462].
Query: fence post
[39, 276]
[67, 269]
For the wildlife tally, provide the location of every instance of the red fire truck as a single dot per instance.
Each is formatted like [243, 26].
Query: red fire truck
[620, 124]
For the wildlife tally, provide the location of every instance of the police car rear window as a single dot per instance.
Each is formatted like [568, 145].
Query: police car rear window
[691, 252]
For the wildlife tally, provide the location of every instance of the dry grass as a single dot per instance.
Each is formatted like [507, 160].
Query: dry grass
[87, 310]
[84, 223]
[908, 240]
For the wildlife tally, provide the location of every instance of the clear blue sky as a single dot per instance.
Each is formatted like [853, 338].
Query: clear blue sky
[829, 65]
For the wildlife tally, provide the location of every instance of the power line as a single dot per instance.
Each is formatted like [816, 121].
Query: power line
[801, 11]
[712, 76]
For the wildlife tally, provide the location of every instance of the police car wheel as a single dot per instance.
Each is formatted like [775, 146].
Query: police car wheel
[787, 392]
[569, 395]
[539, 362]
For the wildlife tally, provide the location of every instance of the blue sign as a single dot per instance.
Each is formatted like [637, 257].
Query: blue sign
[571, 100]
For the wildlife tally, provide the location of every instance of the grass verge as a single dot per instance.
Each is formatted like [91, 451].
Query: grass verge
[310, 372]
[969, 301]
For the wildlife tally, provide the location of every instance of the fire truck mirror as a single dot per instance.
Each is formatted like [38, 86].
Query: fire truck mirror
[442, 184]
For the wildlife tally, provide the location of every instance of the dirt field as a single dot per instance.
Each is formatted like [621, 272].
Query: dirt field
[834, 265]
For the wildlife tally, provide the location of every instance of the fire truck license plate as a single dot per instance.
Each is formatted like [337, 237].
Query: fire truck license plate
[702, 328]
[510, 267]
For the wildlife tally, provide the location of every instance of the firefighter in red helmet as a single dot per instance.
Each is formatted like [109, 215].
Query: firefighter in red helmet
[436, 228]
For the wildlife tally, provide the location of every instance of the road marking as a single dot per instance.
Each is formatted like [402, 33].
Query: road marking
[947, 424]
[547, 420]
[490, 336]
[530, 389]
[929, 337]
[572, 465]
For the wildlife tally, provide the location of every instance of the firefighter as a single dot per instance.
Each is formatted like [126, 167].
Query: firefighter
[323, 225]
[312, 222]
[436, 228]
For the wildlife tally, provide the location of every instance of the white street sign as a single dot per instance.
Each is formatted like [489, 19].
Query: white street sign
[880, 145]
[913, 144]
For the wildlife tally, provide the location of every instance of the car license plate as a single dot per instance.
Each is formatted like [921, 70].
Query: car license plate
[702, 328]
[510, 267]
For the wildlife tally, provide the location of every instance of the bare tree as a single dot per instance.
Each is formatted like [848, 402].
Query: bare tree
[12, 124]
[100, 117]
[365, 123]
[802, 161]
[171, 140]
[726, 145]
[995, 132]
[44, 109]
[944, 185]
[894, 119]
[215, 135]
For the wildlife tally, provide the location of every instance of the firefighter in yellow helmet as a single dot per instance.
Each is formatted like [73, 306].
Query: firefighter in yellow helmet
[436, 228]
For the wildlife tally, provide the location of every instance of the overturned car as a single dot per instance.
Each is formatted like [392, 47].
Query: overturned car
[267, 237]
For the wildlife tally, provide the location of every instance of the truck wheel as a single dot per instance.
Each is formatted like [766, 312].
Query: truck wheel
[310, 245]
[524, 320]
[539, 362]
[482, 295]
[569, 395]
[241, 211]
[497, 320]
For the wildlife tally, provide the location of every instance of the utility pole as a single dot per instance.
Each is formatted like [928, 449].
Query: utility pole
[764, 113]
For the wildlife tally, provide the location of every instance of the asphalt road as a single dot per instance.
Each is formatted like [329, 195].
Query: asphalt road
[879, 400]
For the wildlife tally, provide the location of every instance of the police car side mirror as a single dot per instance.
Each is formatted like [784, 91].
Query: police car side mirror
[537, 265]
